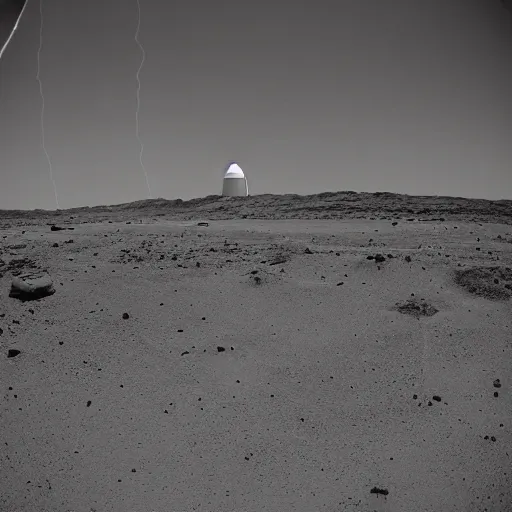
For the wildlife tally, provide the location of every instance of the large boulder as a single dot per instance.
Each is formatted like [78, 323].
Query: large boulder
[31, 286]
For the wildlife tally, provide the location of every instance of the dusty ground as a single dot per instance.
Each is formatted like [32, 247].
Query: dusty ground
[265, 365]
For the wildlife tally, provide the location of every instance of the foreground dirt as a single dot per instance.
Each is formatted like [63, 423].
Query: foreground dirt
[250, 365]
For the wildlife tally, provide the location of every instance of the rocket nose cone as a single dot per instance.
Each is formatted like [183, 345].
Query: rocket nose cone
[234, 171]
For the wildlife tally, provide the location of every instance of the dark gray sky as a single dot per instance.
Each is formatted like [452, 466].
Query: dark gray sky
[406, 96]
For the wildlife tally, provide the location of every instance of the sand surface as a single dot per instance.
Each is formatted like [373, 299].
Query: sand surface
[320, 399]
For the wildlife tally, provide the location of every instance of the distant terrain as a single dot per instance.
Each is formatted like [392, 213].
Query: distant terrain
[327, 205]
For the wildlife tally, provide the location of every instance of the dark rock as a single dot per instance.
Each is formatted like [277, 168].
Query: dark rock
[376, 490]
[279, 261]
[13, 352]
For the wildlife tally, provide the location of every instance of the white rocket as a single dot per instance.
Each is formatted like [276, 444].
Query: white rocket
[235, 182]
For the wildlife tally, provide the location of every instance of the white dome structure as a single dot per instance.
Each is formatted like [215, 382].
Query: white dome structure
[235, 182]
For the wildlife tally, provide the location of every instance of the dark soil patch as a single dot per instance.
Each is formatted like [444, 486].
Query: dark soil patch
[493, 283]
[16, 266]
[416, 308]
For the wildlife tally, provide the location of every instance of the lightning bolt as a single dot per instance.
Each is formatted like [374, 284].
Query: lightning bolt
[138, 102]
[13, 30]
[42, 100]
